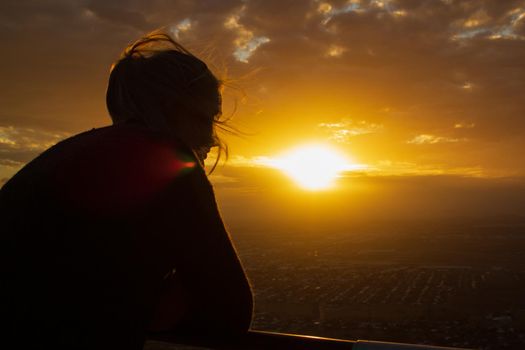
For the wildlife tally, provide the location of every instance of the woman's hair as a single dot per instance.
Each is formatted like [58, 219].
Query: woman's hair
[162, 85]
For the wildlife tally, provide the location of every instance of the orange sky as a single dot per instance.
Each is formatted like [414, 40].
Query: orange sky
[427, 95]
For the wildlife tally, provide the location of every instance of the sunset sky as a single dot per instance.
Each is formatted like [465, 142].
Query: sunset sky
[425, 100]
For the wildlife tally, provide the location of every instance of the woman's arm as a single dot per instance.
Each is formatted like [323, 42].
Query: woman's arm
[208, 293]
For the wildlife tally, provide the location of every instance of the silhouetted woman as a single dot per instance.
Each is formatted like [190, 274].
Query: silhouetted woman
[115, 231]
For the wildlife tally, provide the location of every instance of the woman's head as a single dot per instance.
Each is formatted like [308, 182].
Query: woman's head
[162, 85]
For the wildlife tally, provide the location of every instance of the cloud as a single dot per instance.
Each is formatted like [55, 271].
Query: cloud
[379, 8]
[328, 12]
[10, 163]
[181, 27]
[335, 51]
[482, 25]
[379, 168]
[477, 19]
[19, 145]
[397, 168]
[433, 139]
[27, 138]
[267, 161]
[219, 179]
[344, 130]
[463, 125]
[246, 42]
[467, 86]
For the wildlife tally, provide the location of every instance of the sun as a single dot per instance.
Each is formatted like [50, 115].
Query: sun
[313, 167]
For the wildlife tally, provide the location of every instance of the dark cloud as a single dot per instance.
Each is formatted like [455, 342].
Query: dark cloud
[117, 12]
[414, 67]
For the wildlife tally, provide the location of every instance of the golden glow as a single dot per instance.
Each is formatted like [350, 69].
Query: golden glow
[313, 167]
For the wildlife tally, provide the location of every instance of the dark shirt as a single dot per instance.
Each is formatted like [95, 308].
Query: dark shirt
[92, 229]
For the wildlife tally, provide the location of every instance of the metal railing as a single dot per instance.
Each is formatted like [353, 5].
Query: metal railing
[259, 340]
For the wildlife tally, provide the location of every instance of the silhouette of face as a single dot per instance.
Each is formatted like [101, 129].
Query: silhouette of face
[205, 137]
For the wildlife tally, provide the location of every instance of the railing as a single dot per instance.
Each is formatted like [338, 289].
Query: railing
[259, 340]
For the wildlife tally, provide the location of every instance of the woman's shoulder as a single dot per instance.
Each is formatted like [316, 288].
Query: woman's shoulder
[115, 165]
[111, 146]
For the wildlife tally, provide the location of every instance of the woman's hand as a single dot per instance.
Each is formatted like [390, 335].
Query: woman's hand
[171, 306]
